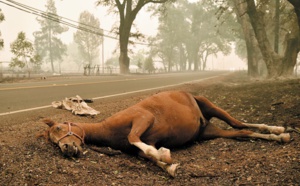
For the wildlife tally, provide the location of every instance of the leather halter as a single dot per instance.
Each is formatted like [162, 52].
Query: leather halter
[70, 133]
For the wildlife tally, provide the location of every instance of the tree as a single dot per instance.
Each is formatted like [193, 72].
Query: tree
[253, 51]
[88, 42]
[24, 53]
[138, 58]
[186, 32]
[2, 18]
[277, 65]
[168, 43]
[47, 42]
[128, 11]
[74, 55]
[296, 5]
[149, 66]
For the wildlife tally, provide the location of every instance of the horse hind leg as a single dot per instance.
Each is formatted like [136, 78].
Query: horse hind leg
[210, 110]
[212, 131]
[283, 137]
[263, 127]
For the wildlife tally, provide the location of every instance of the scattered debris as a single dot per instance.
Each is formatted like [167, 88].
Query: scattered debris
[77, 105]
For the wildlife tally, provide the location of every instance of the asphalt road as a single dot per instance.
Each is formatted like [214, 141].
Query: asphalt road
[21, 97]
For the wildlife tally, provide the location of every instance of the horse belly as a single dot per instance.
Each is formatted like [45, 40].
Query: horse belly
[184, 128]
[182, 135]
[174, 135]
[177, 119]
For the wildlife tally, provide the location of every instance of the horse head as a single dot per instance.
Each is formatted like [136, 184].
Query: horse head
[68, 136]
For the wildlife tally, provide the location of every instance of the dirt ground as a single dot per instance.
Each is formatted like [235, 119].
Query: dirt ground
[26, 160]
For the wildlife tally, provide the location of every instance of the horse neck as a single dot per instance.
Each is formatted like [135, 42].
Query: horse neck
[105, 132]
[95, 132]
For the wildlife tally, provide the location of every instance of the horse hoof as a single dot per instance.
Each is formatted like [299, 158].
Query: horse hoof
[285, 137]
[165, 155]
[172, 169]
[277, 130]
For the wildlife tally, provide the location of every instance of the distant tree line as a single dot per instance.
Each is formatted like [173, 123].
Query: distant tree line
[265, 33]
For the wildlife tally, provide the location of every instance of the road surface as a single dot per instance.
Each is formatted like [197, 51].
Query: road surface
[21, 97]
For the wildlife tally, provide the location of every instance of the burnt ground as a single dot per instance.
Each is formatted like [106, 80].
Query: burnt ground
[26, 160]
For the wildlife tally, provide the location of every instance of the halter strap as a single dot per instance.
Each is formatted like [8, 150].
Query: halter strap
[70, 133]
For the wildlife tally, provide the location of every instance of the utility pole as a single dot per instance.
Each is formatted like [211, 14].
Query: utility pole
[102, 51]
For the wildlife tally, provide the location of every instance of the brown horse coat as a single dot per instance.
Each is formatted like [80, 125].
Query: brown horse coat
[164, 120]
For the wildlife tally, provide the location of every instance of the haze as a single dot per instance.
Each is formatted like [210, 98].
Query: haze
[17, 21]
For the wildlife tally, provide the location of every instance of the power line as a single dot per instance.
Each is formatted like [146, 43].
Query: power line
[62, 20]
[50, 15]
[56, 18]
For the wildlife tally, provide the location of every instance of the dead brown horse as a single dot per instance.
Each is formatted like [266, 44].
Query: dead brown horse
[164, 120]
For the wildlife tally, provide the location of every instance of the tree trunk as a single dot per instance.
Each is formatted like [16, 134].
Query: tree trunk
[127, 16]
[293, 44]
[253, 51]
[197, 65]
[204, 62]
[124, 62]
[27, 67]
[276, 65]
[276, 28]
[272, 59]
[182, 58]
[190, 59]
[124, 59]
[50, 50]
[296, 4]
[252, 56]
[196, 60]
[290, 56]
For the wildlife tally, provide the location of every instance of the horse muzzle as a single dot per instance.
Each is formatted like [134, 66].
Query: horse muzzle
[70, 149]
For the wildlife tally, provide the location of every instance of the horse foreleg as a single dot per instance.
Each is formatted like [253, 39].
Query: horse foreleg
[162, 156]
[212, 131]
[152, 153]
[170, 168]
[139, 126]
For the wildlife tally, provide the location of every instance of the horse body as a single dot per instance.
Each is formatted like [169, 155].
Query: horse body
[178, 126]
[164, 120]
[173, 119]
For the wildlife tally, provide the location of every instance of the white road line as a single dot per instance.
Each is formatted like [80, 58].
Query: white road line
[25, 110]
[113, 95]
[148, 89]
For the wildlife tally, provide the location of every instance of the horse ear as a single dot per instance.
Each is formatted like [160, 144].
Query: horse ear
[49, 122]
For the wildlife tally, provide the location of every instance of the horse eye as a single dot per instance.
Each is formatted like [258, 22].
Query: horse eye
[58, 127]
